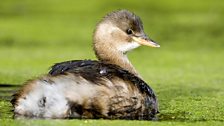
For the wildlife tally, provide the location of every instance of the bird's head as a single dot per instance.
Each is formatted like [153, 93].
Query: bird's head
[121, 31]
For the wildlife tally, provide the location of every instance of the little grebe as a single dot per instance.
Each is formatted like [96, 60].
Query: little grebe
[109, 88]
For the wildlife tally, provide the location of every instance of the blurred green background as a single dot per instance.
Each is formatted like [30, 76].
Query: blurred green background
[187, 72]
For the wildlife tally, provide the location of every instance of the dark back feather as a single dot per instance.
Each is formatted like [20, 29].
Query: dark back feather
[94, 70]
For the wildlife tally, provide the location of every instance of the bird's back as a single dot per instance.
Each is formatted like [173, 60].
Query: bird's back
[132, 98]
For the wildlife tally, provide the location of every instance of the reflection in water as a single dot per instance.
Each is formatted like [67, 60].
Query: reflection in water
[6, 92]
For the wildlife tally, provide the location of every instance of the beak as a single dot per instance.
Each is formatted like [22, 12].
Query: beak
[144, 40]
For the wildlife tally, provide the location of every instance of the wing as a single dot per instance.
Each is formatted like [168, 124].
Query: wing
[60, 68]
[93, 70]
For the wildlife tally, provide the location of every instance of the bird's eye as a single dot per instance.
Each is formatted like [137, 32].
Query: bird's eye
[129, 31]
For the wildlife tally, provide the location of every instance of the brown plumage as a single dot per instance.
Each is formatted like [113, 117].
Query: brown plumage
[109, 88]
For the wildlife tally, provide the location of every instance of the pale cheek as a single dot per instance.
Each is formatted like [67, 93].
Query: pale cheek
[119, 35]
[128, 46]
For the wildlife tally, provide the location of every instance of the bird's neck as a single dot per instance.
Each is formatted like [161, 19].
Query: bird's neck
[115, 57]
[104, 40]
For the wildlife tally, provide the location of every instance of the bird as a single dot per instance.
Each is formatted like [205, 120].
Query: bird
[107, 88]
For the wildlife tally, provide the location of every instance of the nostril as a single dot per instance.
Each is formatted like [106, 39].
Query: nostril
[146, 38]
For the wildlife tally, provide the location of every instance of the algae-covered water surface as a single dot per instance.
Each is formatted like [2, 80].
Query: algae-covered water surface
[186, 72]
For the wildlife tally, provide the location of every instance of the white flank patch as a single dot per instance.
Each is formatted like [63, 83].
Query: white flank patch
[57, 95]
[55, 106]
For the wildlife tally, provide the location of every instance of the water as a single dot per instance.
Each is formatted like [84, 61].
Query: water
[6, 92]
